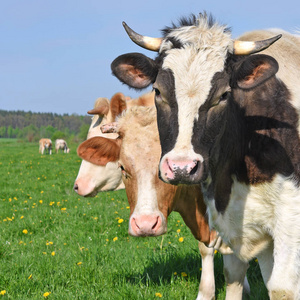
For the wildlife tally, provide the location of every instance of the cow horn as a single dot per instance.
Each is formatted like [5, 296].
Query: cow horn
[146, 42]
[246, 48]
[100, 110]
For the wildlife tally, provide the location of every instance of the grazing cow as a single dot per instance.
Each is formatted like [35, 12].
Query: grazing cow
[151, 200]
[45, 145]
[228, 122]
[93, 178]
[61, 145]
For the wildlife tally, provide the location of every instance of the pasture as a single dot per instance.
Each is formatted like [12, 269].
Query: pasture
[57, 245]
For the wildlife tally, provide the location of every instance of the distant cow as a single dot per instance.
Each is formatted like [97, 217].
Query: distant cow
[151, 200]
[61, 145]
[45, 145]
[92, 178]
[228, 121]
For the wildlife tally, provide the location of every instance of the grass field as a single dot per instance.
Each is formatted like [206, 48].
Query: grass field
[57, 245]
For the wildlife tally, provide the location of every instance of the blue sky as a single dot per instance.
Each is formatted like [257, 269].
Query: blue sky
[55, 56]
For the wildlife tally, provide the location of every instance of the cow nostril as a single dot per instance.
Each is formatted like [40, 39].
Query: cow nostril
[194, 170]
[136, 223]
[154, 225]
[75, 188]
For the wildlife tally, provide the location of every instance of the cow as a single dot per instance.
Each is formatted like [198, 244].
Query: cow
[61, 144]
[45, 145]
[151, 200]
[228, 120]
[93, 178]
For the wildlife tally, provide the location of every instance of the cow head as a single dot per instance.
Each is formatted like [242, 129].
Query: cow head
[194, 76]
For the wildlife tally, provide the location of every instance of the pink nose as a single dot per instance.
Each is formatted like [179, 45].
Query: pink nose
[170, 168]
[83, 189]
[146, 225]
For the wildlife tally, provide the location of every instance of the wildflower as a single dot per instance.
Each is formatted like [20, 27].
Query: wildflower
[216, 251]
[25, 231]
[178, 230]
[42, 192]
[79, 263]
[53, 253]
[175, 273]
[44, 253]
[115, 238]
[30, 276]
[22, 217]
[63, 209]
[183, 274]
[159, 295]
[46, 294]
[41, 201]
[120, 221]
[181, 239]
[3, 292]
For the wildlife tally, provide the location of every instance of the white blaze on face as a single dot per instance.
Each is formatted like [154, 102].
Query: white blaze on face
[193, 68]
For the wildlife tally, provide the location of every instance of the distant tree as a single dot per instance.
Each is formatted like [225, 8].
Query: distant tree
[58, 135]
[2, 131]
[84, 129]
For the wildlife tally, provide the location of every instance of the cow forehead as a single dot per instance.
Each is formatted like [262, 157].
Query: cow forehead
[193, 70]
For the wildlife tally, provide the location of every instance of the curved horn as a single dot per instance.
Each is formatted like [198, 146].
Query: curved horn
[146, 42]
[246, 48]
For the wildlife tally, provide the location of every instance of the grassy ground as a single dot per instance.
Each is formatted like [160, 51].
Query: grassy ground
[56, 245]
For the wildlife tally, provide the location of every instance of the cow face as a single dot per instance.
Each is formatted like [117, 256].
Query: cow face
[193, 77]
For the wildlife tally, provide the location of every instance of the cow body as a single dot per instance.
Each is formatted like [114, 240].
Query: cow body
[151, 200]
[228, 122]
[93, 178]
[45, 145]
[61, 144]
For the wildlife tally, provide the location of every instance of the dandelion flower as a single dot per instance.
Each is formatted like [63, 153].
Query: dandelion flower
[46, 294]
[183, 274]
[115, 238]
[63, 209]
[22, 217]
[181, 239]
[53, 253]
[25, 231]
[120, 221]
[30, 276]
[216, 251]
[3, 292]
[41, 201]
[178, 230]
[159, 295]
[79, 263]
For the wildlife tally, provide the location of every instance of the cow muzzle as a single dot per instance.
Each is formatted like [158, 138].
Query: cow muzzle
[181, 171]
[147, 225]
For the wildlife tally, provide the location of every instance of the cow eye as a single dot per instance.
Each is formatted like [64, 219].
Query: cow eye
[124, 173]
[157, 92]
[224, 96]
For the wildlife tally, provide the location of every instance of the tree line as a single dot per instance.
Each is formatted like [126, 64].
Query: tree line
[32, 126]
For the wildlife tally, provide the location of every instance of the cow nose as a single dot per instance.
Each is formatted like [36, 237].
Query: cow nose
[76, 188]
[146, 225]
[173, 169]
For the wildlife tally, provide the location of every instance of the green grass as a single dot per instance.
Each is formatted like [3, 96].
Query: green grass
[52, 240]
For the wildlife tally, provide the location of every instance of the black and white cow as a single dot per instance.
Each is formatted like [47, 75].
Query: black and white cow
[227, 120]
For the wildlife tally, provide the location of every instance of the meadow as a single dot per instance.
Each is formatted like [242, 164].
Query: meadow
[55, 244]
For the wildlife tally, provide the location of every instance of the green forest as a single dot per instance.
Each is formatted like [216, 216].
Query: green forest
[31, 127]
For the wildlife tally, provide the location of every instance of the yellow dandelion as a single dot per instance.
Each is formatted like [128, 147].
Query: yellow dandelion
[30, 276]
[44, 253]
[79, 263]
[216, 251]
[22, 217]
[41, 201]
[175, 273]
[42, 192]
[3, 292]
[25, 231]
[45, 295]
[178, 230]
[53, 253]
[183, 274]
[63, 209]
[159, 295]
[115, 239]
[120, 221]
[181, 239]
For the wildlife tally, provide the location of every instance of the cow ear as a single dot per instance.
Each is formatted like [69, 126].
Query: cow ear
[135, 69]
[117, 105]
[99, 150]
[255, 70]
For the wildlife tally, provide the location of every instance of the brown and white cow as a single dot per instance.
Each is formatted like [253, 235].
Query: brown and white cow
[45, 145]
[228, 122]
[151, 200]
[61, 144]
[93, 178]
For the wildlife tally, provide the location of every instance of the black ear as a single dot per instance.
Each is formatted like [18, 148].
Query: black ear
[255, 70]
[135, 69]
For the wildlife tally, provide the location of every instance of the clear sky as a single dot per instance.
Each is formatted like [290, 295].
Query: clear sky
[55, 55]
